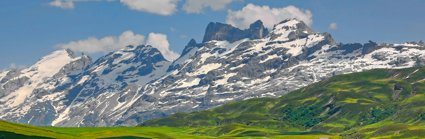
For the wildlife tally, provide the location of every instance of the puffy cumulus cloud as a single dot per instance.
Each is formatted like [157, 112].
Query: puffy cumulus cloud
[105, 44]
[333, 26]
[197, 6]
[160, 7]
[160, 42]
[64, 4]
[270, 16]
[112, 43]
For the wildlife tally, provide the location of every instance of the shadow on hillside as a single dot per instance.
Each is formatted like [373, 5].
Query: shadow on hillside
[11, 135]
[126, 137]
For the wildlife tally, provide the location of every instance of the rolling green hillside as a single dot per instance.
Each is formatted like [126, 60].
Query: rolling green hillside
[372, 104]
[19, 131]
[376, 103]
[11, 130]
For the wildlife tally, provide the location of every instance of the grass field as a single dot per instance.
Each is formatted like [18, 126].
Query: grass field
[12, 130]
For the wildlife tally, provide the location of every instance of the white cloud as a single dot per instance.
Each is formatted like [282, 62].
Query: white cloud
[160, 7]
[197, 6]
[70, 4]
[105, 44]
[270, 16]
[160, 42]
[112, 43]
[64, 4]
[333, 26]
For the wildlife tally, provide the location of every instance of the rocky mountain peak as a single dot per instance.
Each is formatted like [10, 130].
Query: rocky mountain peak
[192, 44]
[256, 25]
[148, 51]
[69, 52]
[220, 31]
[54, 61]
[132, 54]
[290, 29]
[257, 29]
[292, 24]
[225, 32]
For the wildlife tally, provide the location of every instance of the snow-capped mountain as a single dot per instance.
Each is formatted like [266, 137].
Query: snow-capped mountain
[104, 91]
[21, 88]
[135, 84]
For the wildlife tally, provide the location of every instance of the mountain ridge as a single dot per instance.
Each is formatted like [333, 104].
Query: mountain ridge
[135, 84]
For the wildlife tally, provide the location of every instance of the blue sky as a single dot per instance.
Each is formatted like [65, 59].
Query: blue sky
[30, 29]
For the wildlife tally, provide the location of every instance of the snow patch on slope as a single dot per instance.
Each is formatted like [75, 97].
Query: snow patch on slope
[44, 69]
[206, 68]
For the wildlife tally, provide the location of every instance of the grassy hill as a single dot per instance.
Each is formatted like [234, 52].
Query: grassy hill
[372, 104]
[19, 131]
[12, 130]
[376, 103]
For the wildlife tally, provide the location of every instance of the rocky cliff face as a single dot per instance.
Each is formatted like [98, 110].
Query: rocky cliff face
[129, 86]
[224, 32]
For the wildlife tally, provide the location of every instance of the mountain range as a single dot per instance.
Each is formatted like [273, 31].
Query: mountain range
[136, 84]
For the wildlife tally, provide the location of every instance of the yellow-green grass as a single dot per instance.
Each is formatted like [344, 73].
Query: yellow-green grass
[236, 132]
[101, 132]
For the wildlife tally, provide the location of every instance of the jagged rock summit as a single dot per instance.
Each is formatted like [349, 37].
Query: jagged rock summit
[224, 32]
